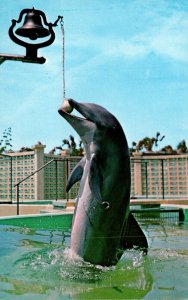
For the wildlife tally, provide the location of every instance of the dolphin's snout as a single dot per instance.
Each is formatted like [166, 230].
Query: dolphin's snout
[66, 107]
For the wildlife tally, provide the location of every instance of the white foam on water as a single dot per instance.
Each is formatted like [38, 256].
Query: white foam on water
[71, 256]
[131, 259]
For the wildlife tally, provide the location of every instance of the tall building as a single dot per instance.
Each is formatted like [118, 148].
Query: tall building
[13, 168]
[152, 175]
[47, 184]
[159, 175]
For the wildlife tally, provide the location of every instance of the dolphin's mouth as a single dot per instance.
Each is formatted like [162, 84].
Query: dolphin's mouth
[67, 108]
[83, 125]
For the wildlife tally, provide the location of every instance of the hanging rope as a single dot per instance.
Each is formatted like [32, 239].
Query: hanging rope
[63, 56]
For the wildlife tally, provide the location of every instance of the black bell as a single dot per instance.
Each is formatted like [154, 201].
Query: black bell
[32, 27]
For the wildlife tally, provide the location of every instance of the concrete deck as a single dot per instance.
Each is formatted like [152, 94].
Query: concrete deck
[29, 209]
[166, 201]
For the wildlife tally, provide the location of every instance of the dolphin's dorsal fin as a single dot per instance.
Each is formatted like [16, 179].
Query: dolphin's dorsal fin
[76, 174]
[133, 236]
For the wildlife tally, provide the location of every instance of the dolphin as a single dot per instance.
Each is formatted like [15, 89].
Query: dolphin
[103, 226]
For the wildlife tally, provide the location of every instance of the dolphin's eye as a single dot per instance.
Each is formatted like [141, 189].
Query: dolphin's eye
[106, 205]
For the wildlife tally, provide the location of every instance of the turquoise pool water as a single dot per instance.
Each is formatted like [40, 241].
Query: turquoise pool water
[37, 264]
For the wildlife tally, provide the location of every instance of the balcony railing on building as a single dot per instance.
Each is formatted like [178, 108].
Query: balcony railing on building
[156, 178]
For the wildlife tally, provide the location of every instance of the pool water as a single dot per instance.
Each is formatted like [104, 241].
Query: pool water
[38, 264]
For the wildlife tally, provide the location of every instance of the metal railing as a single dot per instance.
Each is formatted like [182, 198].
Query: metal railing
[17, 185]
[7, 182]
[144, 178]
[161, 215]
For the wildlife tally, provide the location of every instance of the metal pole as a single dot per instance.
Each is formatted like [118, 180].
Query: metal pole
[17, 192]
[17, 184]
[146, 179]
[37, 60]
[162, 165]
[35, 172]
[67, 173]
[11, 177]
[56, 180]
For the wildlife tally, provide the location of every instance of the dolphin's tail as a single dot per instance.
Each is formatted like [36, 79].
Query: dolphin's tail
[133, 236]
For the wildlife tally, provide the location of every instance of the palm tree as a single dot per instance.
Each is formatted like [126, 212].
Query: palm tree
[158, 138]
[182, 147]
[74, 150]
[148, 142]
[25, 149]
[168, 149]
[133, 148]
[6, 141]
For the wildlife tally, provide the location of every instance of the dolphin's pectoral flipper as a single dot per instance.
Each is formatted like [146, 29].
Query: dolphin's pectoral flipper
[133, 236]
[76, 174]
[95, 180]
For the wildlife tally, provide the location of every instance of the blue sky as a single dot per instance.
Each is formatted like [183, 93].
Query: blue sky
[129, 56]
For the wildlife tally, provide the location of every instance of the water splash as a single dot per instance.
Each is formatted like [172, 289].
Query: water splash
[39, 263]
